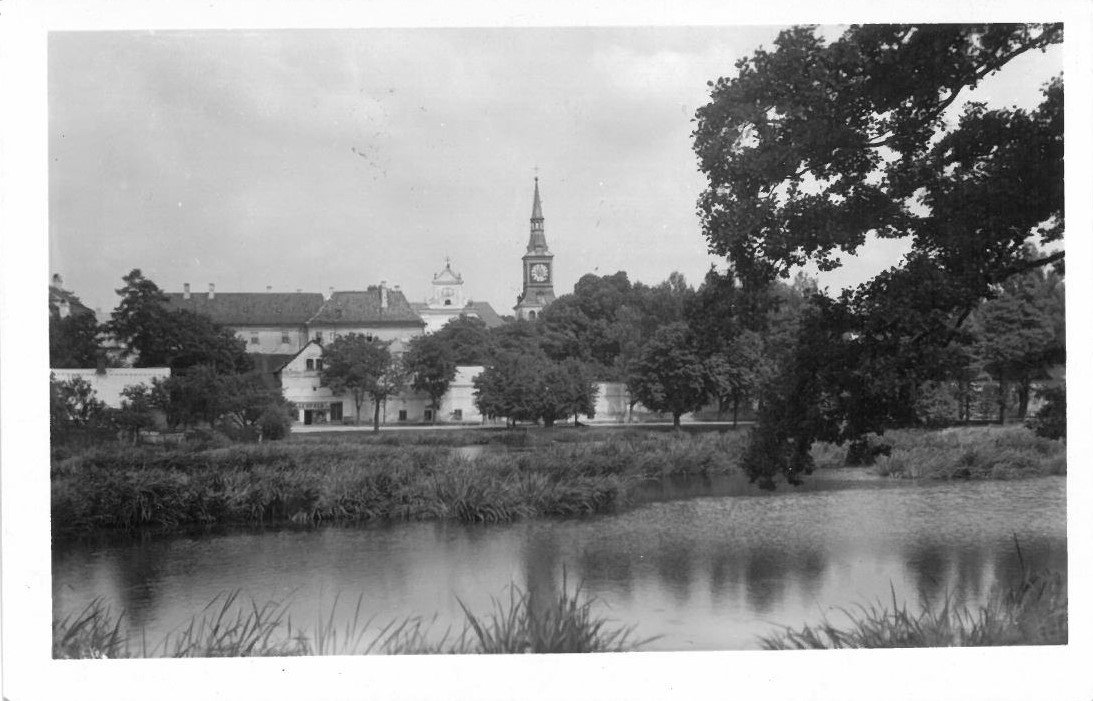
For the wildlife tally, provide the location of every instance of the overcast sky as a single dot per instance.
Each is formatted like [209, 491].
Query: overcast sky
[309, 159]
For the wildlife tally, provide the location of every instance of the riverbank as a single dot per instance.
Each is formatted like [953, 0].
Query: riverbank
[312, 481]
[1033, 612]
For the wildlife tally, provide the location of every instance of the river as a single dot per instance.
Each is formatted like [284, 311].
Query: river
[702, 564]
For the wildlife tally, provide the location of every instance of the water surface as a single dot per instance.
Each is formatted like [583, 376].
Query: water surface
[703, 564]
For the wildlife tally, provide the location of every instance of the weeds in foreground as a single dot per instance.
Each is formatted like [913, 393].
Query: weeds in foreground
[1033, 612]
[229, 627]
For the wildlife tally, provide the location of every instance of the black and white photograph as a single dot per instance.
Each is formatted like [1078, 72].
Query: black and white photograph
[673, 355]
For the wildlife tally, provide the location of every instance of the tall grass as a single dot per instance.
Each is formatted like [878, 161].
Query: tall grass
[1033, 612]
[230, 627]
[1010, 452]
[313, 482]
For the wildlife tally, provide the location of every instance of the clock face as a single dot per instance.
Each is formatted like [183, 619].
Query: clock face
[539, 272]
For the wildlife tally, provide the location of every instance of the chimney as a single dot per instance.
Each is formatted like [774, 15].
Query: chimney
[330, 292]
[383, 294]
[57, 280]
[299, 289]
[269, 288]
[212, 291]
[185, 290]
[63, 308]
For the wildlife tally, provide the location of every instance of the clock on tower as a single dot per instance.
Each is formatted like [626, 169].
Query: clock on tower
[538, 261]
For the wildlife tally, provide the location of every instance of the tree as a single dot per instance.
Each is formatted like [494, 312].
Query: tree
[469, 340]
[813, 146]
[177, 339]
[74, 411]
[363, 368]
[73, 341]
[431, 365]
[671, 375]
[1021, 333]
[137, 412]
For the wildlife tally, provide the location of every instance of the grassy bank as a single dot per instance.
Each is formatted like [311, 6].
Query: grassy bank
[230, 627]
[1033, 612]
[349, 480]
[996, 452]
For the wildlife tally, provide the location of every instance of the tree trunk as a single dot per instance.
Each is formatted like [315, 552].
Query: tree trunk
[1002, 399]
[376, 418]
[675, 419]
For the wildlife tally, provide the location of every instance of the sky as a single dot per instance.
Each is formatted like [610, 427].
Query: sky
[311, 159]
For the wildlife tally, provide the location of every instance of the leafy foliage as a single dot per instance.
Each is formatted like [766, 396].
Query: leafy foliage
[73, 341]
[671, 374]
[1050, 420]
[430, 361]
[177, 339]
[363, 368]
[814, 146]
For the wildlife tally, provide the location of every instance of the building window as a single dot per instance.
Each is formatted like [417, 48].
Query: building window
[531, 315]
[457, 415]
[319, 336]
[401, 414]
[428, 414]
[285, 338]
[447, 303]
[319, 364]
[335, 411]
[254, 340]
[310, 363]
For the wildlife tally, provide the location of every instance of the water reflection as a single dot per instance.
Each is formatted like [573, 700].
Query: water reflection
[709, 572]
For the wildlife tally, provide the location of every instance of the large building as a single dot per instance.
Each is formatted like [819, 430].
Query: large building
[538, 267]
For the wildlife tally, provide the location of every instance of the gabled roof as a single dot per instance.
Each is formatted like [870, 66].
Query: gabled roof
[366, 309]
[296, 355]
[447, 275]
[234, 309]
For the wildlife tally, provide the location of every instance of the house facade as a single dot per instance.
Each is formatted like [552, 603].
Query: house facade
[301, 383]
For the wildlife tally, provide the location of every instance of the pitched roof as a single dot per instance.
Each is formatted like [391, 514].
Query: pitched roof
[482, 310]
[251, 308]
[75, 306]
[366, 308]
[486, 313]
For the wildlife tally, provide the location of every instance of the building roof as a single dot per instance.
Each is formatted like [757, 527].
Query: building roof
[486, 313]
[234, 309]
[366, 308]
[482, 310]
[75, 306]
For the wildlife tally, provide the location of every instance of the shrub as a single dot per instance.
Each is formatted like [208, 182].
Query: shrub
[1050, 420]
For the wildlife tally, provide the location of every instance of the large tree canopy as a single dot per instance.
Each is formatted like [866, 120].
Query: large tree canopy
[812, 146]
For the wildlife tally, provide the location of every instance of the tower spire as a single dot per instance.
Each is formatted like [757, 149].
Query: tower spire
[536, 207]
[537, 240]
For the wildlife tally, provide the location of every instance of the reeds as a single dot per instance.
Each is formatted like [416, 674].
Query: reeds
[312, 482]
[1033, 612]
[1011, 452]
[230, 627]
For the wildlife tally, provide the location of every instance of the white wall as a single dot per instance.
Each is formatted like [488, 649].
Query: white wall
[112, 381]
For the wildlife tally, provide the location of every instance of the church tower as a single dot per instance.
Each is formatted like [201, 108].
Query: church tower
[538, 267]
